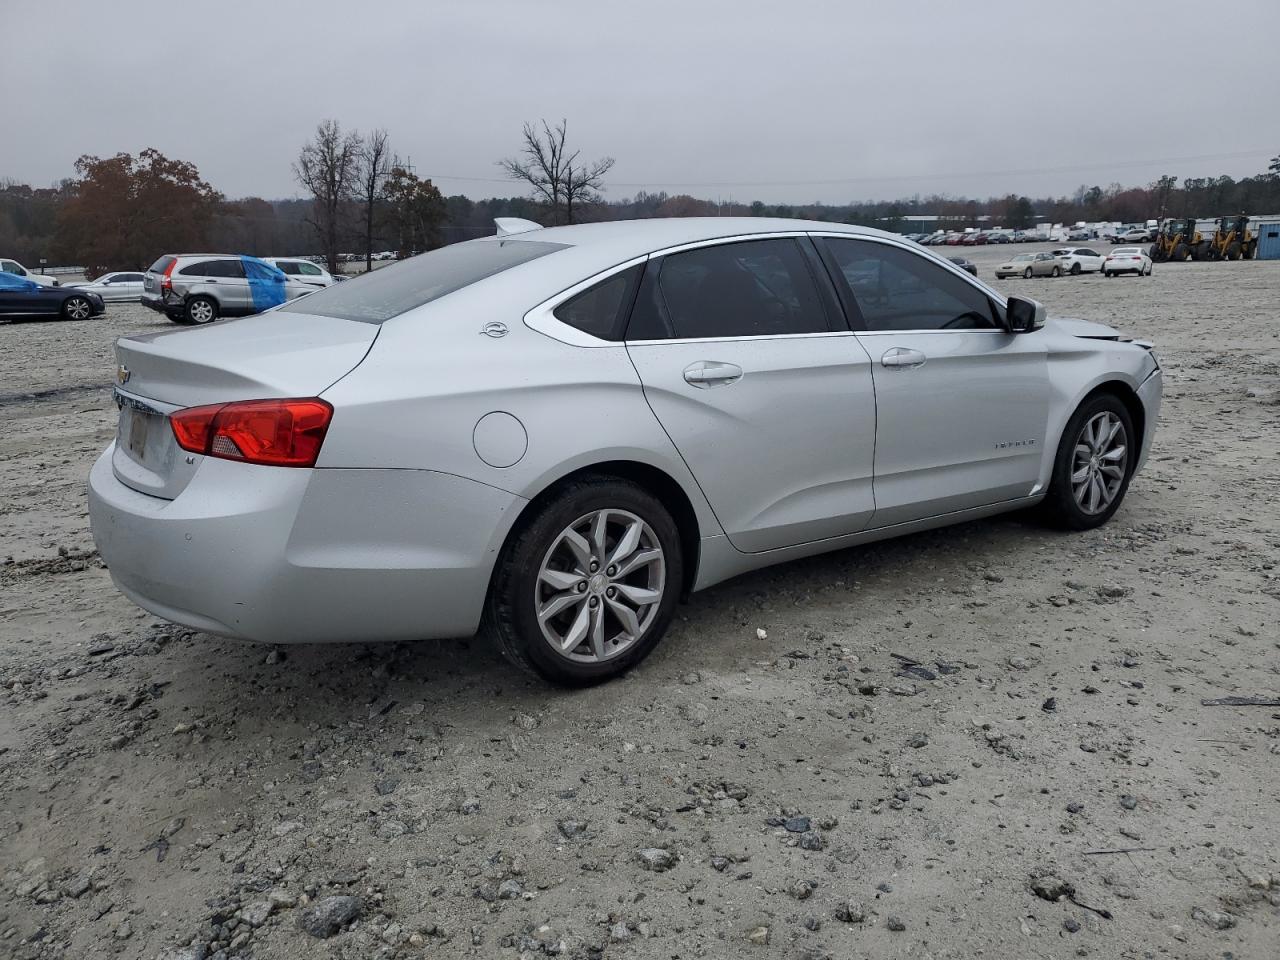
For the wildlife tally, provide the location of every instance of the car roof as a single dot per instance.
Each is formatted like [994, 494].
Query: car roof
[590, 248]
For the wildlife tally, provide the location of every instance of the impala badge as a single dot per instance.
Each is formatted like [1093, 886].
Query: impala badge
[494, 329]
[122, 374]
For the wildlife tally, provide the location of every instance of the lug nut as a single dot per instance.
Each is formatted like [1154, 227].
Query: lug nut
[594, 602]
[611, 593]
[582, 586]
[595, 565]
[612, 571]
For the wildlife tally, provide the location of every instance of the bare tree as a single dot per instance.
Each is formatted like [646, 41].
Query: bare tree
[558, 178]
[375, 166]
[329, 168]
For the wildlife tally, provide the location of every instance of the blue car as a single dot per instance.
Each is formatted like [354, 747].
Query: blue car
[20, 297]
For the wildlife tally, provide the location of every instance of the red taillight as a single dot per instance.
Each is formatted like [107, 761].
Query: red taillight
[278, 433]
[166, 283]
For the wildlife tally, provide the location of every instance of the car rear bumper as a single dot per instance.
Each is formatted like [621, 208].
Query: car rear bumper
[284, 555]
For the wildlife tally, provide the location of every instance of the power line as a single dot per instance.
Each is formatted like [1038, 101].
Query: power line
[1117, 164]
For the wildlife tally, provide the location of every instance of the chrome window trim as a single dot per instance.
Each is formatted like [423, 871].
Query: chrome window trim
[543, 319]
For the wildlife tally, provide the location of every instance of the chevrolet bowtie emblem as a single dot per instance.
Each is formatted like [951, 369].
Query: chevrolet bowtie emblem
[122, 374]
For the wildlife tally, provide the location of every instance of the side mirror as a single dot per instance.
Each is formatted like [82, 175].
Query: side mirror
[1024, 315]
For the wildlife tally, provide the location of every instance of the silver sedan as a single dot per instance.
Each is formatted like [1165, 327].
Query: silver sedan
[559, 433]
[115, 287]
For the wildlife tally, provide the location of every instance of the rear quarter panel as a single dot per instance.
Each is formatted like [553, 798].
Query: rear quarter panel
[416, 399]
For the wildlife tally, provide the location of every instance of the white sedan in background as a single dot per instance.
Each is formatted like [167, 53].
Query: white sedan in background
[1078, 260]
[1127, 260]
[115, 287]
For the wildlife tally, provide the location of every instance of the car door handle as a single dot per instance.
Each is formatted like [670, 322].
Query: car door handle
[711, 373]
[902, 358]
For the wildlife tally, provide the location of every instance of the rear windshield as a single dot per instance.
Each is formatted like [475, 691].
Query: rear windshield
[378, 296]
[161, 265]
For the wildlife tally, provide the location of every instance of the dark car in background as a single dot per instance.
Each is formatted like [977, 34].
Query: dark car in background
[964, 264]
[20, 297]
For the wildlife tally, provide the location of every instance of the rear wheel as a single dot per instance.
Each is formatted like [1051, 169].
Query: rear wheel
[200, 310]
[1233, 251]
[1094, 463]
[1026, 274]
[1180, 253]
[1057, 271]
[76, 308]
[586, 589]
[1075, 269]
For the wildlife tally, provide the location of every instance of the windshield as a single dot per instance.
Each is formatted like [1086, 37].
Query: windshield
[378, 296]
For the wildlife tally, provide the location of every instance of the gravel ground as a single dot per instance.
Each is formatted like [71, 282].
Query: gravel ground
[986, 741]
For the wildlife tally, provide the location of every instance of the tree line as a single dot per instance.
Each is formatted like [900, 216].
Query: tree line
[122, 212]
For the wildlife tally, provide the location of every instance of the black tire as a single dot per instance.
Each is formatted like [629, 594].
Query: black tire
[510, 614]
[1026, 274]
[200, 310]
[76, 308]
[1179, 253]
[1107, 274]
[1076, 269]
[1059, 506]
[1233, 251]
[1057, 271]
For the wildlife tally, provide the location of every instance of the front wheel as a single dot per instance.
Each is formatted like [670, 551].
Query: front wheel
[1057, 271]
[587, 587]
[1093, 465]
[1026, 274]
[76, 308]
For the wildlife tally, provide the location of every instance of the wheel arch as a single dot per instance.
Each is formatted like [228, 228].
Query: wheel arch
[647, 476]
[1123, 392]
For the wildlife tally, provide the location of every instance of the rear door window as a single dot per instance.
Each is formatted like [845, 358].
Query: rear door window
[378, 296]
[752, 288]
[231, 269]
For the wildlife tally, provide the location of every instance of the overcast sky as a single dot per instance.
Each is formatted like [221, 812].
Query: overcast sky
[781, 100]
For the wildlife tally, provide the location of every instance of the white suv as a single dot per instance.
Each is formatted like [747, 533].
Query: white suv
[1078, 260]
[17, 269]
[303, 271]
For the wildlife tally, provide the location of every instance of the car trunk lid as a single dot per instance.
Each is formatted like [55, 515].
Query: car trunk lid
[260, 357]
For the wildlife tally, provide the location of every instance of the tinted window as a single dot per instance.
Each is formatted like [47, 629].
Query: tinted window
[127, 278]
[161, 265]
[899, 290]
[8, 266]
[224, 268]
[378, 296]
[289, 267]
[200, 269]
[750, 289]
[601, 310]
[308, 269]
[1087, 253]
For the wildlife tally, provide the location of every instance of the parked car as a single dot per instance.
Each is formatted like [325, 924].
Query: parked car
[1078, 260]
[1019, 265]
[387, 459]
[114, 287]
[301, 270]
[198, 288]
[1080, 233]
[23, 297]
[965, 265]
[999, 236]
[18, 270]
[1137, 234]
[1045, 265]
[1126, 260]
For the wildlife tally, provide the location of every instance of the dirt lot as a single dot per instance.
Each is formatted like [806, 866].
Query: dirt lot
[772, 782]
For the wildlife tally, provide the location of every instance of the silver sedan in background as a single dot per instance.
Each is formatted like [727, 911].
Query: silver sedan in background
[560, 432]
[123, 287]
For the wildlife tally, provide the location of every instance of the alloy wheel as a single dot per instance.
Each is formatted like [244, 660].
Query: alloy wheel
[201, 311]
[600, 585]
[1099, 462]
[78, 308]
